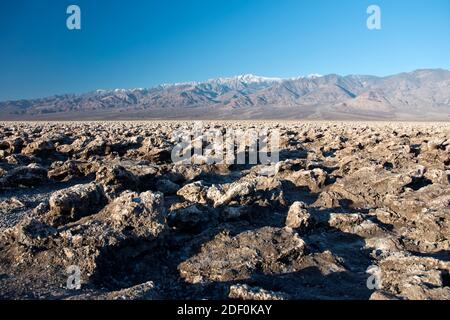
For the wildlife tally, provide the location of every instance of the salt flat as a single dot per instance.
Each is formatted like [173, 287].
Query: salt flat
[351, 210]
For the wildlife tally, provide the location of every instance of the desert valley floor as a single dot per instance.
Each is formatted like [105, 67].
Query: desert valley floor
[353, 210]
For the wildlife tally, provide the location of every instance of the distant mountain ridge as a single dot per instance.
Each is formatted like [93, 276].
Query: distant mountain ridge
[418, 95]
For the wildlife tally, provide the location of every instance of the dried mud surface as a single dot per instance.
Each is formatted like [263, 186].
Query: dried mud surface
[349, 202]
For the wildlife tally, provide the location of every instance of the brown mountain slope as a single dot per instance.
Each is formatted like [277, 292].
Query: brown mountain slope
[418, 95]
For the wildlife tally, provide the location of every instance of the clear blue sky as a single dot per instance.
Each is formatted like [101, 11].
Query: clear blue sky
[142, 43]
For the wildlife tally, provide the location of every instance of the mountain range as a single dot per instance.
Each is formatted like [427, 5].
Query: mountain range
[418, 95]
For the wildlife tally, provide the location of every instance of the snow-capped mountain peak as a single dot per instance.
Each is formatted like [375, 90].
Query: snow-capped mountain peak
[240, 79]
[314, 76]
[407, 93]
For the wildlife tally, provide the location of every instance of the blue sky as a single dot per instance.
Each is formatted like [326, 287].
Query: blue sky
[142, 43]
